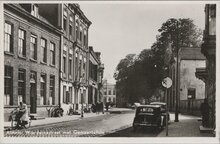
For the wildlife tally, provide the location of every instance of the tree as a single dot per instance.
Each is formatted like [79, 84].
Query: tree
[139, 77]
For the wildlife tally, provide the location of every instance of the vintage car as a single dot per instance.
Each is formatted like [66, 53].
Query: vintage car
[148, 116]
[163, 110]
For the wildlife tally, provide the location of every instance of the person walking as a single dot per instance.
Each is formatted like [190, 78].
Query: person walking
[205, 111]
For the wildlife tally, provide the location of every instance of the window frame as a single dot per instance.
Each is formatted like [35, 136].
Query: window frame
[9, 40]
[34, 47]
[52, 53]
[43, 45]
[8, 85]
[21, 47]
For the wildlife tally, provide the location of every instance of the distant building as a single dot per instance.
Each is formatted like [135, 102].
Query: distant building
[109, 92]
[208, 74]
[31, 59]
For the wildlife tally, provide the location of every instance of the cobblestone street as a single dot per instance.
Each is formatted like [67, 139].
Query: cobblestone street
[86, 127]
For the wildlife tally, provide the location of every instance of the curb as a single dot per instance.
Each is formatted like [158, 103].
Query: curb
[54, 123]
[115, 130]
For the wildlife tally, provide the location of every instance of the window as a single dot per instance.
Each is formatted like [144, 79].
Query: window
[43, 89]
[109, 92]
[52, 53]
[21, 85]
[44, 50]
[64, 59]
[64, 94]
[80, 66]
[80, 34]
[84, 67]
[114, 92]
[191, 93]
[21, 43]
[52, 90]
[35, 10]
[64, 20]
[70, 62]
[77, 30]
[84, 38]
[71, 26]
[8, 41]
[33, 47]
[8, 97]
[70, 94]
[105, 93]
[76, 66]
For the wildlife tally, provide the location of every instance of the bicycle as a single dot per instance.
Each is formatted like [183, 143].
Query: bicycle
[14, 120]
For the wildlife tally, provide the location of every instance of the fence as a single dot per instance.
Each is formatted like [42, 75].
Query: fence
[191, 106]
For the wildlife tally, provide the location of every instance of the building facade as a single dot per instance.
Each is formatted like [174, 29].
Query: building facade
[208, 74]
[31, 58]
[191, 90]
[109, 92]
[95, 77]
[74, 57]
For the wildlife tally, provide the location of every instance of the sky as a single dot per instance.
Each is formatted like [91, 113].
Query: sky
[123, 28]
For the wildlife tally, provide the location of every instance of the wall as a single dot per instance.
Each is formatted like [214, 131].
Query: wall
[189, 80]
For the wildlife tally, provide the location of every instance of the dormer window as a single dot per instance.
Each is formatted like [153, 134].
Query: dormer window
[34, 11]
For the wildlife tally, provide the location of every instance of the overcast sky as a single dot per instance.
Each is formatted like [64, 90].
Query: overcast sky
[122, 28]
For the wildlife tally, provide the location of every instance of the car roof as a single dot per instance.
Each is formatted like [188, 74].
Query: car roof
[151, 106]
[158, 103]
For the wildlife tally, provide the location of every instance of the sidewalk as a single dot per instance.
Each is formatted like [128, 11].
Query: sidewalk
[53, 120]
[188, 126]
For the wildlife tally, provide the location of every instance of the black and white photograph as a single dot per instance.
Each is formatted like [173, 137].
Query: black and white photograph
[109, 71]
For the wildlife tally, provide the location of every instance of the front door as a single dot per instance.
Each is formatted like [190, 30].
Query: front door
[33, 98]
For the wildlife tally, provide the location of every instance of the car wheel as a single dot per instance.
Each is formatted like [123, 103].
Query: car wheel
[134, 128]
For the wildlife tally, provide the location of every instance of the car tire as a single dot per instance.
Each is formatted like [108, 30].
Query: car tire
[134, 128]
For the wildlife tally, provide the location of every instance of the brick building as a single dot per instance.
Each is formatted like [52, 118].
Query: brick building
[31, 59]
[74, 57]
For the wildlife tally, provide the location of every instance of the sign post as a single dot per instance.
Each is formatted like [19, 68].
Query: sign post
[167, 83]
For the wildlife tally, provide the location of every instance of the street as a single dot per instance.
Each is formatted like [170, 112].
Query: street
[117, 123]
[86, 127]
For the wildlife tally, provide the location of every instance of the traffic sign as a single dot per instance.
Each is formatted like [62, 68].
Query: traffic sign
[167, 82]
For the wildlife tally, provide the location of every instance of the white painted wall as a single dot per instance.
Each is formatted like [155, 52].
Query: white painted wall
[188, 78]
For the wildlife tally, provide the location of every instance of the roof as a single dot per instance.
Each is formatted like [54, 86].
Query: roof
[191, 53]
[151, 106]
[158, 103]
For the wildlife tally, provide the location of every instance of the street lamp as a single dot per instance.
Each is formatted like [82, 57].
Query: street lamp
[177, 77]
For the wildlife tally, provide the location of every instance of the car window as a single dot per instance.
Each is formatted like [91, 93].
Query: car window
[145, 110]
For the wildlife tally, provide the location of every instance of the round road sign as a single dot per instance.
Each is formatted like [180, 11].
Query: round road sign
[167, 82]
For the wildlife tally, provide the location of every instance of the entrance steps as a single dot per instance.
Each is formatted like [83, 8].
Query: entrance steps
[36, 117]
[205, 129]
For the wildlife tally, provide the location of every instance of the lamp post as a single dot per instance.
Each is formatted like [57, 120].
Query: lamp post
[177, 76]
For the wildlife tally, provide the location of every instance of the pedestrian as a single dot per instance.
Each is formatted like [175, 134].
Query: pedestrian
[22, 115]
[205, 110]
[106, 106]
[97, 108]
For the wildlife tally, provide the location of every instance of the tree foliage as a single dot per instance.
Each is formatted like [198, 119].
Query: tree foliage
[139, 76]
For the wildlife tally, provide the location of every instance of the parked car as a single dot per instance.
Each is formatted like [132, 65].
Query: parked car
[163, 110]
[148, 116]
[135, 105]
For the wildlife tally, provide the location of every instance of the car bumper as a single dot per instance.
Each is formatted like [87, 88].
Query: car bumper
[145, 124]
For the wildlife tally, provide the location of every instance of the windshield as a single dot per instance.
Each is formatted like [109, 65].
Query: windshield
[145, 110]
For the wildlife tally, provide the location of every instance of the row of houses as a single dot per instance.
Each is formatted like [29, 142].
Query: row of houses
[47, 58]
